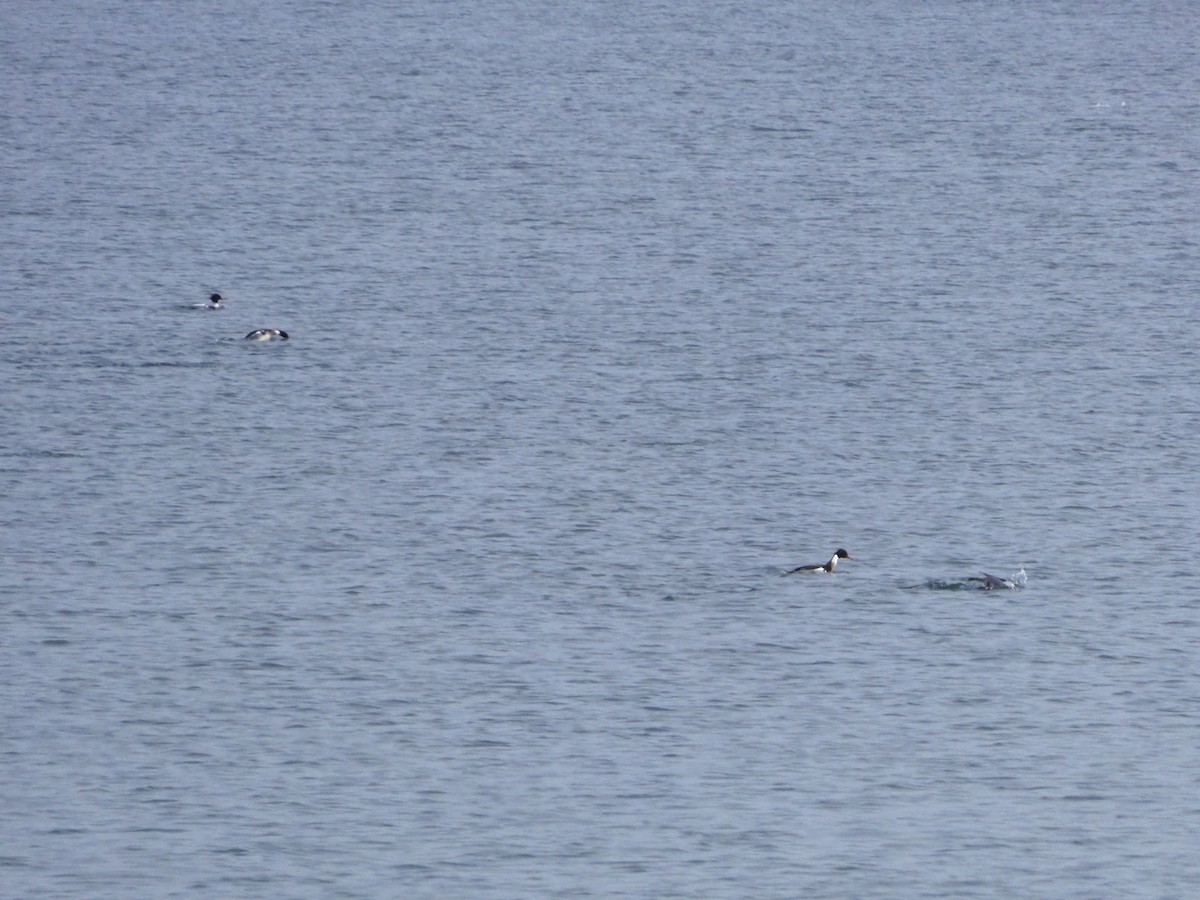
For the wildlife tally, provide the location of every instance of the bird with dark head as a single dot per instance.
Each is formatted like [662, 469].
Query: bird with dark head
[827, 567]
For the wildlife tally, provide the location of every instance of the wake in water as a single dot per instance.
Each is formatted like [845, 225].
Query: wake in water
[981, 582]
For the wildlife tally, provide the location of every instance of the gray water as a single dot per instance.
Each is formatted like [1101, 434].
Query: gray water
[603, 316]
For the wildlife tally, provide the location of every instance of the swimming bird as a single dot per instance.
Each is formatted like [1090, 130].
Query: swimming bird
[266, 334]
[992, 582]
[214, 302]
[823, 567]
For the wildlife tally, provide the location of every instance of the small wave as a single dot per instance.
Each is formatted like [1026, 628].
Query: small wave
[935, 584]
[973, 583]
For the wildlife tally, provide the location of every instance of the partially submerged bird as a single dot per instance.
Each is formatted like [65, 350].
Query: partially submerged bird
[992, 582]
[823, 567]
[266, 334]
[215, 301]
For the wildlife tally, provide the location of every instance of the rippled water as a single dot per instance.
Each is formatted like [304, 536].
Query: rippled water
[602, 317]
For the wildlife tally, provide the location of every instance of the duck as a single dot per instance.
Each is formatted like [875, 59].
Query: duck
[992, 582]
[266, 334]
[827, 567]
[215, 301]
